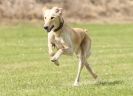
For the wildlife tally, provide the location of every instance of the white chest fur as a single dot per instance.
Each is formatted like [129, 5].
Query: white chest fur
[59, 42]
[64, 41]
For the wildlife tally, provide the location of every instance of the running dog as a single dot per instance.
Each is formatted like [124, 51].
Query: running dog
[67, 40]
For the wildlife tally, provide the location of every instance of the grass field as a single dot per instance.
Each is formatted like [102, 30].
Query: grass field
[25, 69]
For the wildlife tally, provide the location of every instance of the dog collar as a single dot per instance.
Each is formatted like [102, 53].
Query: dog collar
[60, 26]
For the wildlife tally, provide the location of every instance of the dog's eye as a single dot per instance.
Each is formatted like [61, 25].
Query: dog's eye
[52, 17]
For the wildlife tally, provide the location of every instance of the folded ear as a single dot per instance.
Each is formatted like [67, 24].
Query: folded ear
[58, 10]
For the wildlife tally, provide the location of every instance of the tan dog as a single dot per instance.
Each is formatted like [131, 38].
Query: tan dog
[66, 40]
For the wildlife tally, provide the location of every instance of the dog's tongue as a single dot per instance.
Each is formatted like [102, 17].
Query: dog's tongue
[51, 27]
[48, 30]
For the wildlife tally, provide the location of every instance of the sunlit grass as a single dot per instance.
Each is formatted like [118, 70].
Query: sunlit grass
[25, 69]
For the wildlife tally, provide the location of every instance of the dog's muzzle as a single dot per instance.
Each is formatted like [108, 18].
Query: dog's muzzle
[48, 29]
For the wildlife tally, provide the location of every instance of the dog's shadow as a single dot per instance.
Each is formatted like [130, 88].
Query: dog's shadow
[109, 83]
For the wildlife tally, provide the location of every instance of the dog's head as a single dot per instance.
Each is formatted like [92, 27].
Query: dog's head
[52, 18]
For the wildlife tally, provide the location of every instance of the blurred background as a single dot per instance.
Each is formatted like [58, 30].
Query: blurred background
[74, 10]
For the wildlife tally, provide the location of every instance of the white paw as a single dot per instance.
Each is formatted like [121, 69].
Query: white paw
[56, 63]
[53, 59]
[76, 84]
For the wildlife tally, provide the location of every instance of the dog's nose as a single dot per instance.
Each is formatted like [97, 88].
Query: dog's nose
[46, 27]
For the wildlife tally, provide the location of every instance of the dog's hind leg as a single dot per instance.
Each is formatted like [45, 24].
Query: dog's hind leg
[88, 67]
[86, 44]
[80, 67]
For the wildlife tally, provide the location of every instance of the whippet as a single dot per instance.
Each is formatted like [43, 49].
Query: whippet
[67, 40]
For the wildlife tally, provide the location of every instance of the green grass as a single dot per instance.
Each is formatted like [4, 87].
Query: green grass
[25, 69]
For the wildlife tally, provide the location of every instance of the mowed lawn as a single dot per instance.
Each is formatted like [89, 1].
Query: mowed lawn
[25, 68]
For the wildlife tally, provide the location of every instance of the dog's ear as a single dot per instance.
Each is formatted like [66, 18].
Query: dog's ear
[58, 10]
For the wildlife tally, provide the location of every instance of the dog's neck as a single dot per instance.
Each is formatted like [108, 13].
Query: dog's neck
[59, 28]
[61, 23]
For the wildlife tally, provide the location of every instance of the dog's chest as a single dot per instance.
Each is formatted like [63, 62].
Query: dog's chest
[62, 42]
[59, 42]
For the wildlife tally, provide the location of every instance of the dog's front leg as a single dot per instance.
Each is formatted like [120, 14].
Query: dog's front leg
[51, 53]
[50, 40]
[57, 55]
[60, 52]
[50, 50]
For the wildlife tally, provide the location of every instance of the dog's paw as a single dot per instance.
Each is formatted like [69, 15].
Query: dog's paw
[76, 84]
[95, 76]
[55, 61]
[98, 80]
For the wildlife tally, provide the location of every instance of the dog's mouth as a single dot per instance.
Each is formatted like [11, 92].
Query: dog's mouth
[50, 28]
